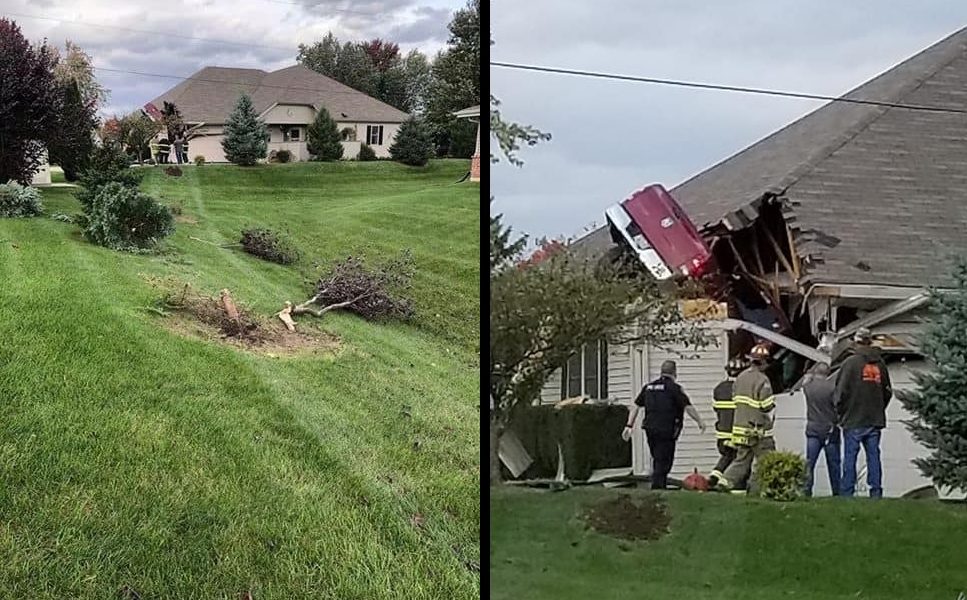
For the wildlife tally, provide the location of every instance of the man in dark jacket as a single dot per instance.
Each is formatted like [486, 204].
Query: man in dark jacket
[822, 432]
[665, 405]
[863, 392]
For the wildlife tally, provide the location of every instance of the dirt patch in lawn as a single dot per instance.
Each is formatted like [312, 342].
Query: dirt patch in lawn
[222, 320]
[630, 518]
[186, 219]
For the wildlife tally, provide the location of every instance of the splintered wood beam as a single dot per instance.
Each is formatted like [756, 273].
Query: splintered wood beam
[738, 256]
[755, 249]
[779, 252]
[795, 255]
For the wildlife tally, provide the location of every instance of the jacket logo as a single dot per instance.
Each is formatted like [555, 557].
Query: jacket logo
[871, 373]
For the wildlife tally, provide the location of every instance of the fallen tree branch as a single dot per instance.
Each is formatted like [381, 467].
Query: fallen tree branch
[305, 307]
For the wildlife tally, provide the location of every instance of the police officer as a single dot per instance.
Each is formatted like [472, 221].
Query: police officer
[665, 403]
[724, 409]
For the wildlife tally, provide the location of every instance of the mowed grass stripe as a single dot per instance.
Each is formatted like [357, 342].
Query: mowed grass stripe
[129, 455]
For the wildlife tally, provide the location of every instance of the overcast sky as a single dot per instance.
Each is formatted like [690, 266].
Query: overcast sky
[611, 138]
[276, 26]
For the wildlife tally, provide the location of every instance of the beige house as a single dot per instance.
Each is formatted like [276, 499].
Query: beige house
[287, 101]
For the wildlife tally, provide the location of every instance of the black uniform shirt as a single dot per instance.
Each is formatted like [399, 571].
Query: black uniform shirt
[664, 402]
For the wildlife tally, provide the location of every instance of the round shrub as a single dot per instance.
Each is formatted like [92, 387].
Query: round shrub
[199, 160]
[283, 156]
[780, 476]
[124, 218]
[366, 153]
[269, 245]
[413, 144]
[19, 201]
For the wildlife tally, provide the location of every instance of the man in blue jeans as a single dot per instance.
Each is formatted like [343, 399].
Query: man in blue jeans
[821, 430]
[863, 391]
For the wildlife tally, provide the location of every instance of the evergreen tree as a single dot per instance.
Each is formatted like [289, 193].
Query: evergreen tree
[172, 120]
[939, 403]
[246, 138]
[413, 144]
[503, 249]
[323, 138]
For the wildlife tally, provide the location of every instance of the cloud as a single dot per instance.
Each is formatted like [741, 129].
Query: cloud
[610, 137]
[269, 33]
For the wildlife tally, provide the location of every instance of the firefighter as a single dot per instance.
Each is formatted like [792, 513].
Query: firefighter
[724, 409]
[752, 425]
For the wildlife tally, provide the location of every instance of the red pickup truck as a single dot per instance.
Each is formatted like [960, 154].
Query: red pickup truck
[660, 233]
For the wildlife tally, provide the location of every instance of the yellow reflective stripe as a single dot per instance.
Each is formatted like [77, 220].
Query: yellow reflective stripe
[723, 404]
[723, 435]
[738, 492]
[767, 404]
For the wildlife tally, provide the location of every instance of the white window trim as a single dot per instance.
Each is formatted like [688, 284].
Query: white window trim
[602, 376]
[379, 132]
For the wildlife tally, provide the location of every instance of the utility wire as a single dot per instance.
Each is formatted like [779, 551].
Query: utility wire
[726, 88]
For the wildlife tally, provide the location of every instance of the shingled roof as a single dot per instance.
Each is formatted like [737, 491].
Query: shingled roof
[209, 95]
[890, 183]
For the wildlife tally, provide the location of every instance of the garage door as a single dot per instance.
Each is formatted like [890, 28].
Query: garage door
[897, 448]
[209, 146]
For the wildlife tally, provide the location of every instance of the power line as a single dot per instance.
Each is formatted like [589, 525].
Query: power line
[341, 10]
[726, 88]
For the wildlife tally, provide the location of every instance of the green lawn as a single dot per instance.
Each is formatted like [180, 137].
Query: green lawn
[727, 547]
[130, 456]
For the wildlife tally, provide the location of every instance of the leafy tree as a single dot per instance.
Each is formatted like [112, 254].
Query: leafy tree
[939, 404]
[418, 75]
[503, 249]
[71, 148]
[321, 57]
[511, 135]
[456, 74]
[413, 145]
[172, 120]
[141, 129]
[75, 65]
[323, 139]
[246, 138]
[30, 103]
[384, 55]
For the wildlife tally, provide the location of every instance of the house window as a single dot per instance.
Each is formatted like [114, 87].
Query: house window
[374, 135]
[586, 373]
[295, 134]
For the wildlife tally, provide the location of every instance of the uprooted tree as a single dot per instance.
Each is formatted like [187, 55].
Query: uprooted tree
[372, 292]
[938, 404]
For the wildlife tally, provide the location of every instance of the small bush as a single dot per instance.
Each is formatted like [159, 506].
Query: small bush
[123, 218]
[366, 153]
[780, 476]
[199, 160]
[269, 245]
[173, 171]
[283, 156]
[19, 201]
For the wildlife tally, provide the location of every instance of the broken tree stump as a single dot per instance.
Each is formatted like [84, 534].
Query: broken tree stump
[286, 316]
[228, 304]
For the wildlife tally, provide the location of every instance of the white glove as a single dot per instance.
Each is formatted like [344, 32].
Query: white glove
[701, 427]
[626, 433]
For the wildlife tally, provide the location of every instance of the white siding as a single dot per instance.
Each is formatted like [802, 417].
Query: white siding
[699, 371]
[209, 146]
[897, 446]
[290, 114]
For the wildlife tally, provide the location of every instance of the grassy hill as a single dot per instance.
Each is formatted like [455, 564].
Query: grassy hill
[720, 546]
[132, 458]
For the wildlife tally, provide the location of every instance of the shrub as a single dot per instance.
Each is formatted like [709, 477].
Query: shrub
[199, 160]
[324, 140]
[269, 245]
[123, 218]
[173, 171]
[19, 201]
[780, 476]
[366, 153]
[413, 145]
[283, 156]
[348, 134]
[109, 164]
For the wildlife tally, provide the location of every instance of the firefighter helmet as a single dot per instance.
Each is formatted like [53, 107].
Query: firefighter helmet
[735, 366]
[759, 352]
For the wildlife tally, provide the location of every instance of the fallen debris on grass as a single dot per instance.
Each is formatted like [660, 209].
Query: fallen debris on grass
[643, 518]
[223, 319]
